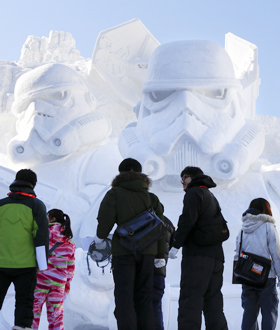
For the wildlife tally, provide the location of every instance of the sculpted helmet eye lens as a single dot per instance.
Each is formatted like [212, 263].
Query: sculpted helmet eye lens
[157, 96]
[219, 93]
[59, 96]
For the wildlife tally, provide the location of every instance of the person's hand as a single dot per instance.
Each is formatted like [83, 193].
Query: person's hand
[159, 263]
[99, 242]
[172, 253]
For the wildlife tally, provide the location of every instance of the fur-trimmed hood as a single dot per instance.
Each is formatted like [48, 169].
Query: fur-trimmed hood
[251, 222]
[124, 177]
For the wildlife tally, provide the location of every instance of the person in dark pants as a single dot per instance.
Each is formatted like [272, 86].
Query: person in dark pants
[202, 266]
[24, 238]
[159, 276]
[260, 237]
[256, 299]
[133, 274]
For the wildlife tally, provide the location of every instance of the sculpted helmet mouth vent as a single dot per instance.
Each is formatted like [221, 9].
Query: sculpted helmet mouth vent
[43, 115]
[191, 114]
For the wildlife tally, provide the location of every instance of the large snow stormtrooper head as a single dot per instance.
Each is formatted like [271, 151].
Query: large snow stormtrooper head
[55, 115]
[196, 112]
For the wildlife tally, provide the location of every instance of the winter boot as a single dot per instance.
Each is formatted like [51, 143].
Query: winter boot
[16, 327]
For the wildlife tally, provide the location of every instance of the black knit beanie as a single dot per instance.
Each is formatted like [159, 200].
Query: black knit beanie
[27, 175]
[130, 164]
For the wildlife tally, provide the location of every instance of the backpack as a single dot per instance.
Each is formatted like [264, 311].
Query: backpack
[210, 231]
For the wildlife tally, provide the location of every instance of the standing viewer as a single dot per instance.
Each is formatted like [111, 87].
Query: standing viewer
[160, 274]
[133, 274]
[24, 238]
[202, 266]
[260, 237]
[53, 284]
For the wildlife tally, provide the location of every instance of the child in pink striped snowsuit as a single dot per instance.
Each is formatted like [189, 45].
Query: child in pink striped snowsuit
[53, 284]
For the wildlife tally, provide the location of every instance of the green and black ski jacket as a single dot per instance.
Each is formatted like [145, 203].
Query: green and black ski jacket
[23, 227]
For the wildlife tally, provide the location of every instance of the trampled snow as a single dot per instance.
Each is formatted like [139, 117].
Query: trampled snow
[72, 120]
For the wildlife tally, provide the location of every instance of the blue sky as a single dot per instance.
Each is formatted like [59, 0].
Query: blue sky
[256, 21]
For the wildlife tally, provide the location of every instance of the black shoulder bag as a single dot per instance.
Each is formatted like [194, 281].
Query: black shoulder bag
[141, 231]
[251, 269]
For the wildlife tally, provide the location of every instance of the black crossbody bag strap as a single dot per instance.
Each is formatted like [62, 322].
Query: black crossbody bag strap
[240, 244]
[151, 206]
[54, 247]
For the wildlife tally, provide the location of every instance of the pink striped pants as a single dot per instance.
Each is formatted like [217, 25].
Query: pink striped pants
[53, 296]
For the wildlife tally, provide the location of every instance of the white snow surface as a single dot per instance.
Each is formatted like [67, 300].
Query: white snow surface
[72, 121]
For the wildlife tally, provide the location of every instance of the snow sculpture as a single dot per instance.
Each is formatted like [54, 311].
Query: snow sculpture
[118, 69]
[97, 291]
[58, 47]
[192, 113]
[121, 55]
[204, 117]
[65, 112]
[55, 115]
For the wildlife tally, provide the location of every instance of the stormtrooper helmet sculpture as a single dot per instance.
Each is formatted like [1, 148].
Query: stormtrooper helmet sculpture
[55, 115]
[192, 113]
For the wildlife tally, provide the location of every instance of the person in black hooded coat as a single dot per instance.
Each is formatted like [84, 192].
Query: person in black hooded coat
[159, 276]
[202, 266]
[133, 274]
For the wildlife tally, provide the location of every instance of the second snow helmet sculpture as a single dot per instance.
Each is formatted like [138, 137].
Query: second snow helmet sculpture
[100, 255]
[193, 112]
[55, 112]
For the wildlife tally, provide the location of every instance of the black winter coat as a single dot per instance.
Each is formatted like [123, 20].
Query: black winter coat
[170, 230]
[199, 204]
[128, 198]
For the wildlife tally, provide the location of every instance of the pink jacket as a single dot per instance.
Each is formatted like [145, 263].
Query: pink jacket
[61, 262]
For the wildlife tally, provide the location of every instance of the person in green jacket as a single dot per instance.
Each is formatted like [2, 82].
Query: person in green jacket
[24, 239]
[133, 274]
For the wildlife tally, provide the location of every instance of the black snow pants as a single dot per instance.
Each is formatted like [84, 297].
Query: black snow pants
[24, 280]
[201, 283]
[133, 277]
